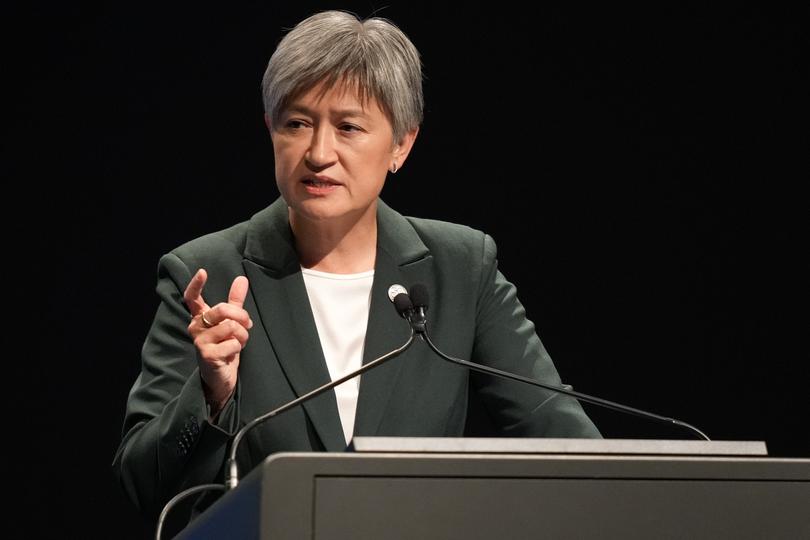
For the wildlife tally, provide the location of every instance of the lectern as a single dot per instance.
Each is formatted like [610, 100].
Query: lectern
[404, 488]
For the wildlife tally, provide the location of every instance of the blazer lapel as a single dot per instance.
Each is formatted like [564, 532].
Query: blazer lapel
[283, 304]
[403, 259]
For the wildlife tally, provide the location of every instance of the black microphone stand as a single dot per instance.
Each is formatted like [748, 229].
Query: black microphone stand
[418, 322]
[231, 470]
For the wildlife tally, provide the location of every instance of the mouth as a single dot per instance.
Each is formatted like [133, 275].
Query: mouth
[320, 185]
[320, 181]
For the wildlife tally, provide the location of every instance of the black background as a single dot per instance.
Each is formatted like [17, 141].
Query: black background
[642, 172]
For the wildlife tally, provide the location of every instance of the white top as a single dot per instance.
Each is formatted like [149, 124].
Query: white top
[340, 304]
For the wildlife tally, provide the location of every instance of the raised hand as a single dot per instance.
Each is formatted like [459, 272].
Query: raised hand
[219, 332]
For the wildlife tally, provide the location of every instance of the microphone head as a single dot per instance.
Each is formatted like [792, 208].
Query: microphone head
[419, 296]
[403, 304]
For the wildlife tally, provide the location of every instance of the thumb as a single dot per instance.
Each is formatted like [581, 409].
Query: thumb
[239, 289]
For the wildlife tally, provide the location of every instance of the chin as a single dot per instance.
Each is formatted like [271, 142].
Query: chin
[318, 210]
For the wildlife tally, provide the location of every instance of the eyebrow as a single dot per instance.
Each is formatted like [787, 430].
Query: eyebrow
[339, 112]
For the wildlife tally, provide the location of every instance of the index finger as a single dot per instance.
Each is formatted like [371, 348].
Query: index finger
[193, 293]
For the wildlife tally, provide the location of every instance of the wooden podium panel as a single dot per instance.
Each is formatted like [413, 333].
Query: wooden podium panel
[469, 495]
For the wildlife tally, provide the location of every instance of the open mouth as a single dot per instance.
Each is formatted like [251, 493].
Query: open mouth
[319, 183]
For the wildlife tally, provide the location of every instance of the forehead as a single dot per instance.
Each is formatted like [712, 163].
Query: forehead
[341, 94]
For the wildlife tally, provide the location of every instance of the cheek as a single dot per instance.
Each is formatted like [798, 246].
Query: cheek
[284, 174]
[284, 161]
[377, 157]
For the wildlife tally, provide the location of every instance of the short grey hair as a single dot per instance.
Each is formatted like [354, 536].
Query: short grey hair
[337, 47]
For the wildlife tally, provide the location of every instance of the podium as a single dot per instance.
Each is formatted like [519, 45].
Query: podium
[403, 488]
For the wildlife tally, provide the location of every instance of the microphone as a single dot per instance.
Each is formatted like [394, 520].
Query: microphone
[417, 317]
[402, 303]
[419, 298]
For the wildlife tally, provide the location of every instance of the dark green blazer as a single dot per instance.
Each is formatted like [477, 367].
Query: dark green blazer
[168, 444]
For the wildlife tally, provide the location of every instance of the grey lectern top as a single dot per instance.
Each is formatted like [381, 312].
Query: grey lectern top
[491, 445]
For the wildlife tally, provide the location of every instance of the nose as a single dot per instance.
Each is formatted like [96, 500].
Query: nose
[321, 152]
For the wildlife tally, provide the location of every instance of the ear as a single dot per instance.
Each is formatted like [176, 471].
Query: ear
[403, 148]
[267, 123]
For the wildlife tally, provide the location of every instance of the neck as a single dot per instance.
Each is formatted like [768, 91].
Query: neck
[346, 245]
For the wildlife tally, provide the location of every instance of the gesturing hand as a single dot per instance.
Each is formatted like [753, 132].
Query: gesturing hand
[219, 332]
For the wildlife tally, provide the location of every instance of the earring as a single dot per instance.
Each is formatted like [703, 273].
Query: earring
[394, 168]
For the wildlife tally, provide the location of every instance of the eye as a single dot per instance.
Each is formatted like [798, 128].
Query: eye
[350, 128]
[294, 124]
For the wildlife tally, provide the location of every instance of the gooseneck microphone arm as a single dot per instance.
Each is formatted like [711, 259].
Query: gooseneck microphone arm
[418, 320]
[231, 469]
[580, 396]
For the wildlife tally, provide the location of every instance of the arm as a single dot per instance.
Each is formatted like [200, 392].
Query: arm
[168, 443]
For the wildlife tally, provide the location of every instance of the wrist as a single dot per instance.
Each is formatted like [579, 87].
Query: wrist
[216, 401]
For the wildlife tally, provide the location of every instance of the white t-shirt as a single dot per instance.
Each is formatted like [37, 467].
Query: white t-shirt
[340, 304]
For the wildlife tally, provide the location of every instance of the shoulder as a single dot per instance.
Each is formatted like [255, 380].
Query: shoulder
[453, 239]
[221, 253]
[220, 243]
[409, 238]
[435, 229]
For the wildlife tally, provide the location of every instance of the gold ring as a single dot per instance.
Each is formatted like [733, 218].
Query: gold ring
[206, 322]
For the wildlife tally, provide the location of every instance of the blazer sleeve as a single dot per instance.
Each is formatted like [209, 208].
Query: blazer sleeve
[168, 444]
[506, 339]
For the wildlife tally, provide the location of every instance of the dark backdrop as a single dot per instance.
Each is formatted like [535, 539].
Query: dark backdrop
[642, 172]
